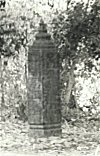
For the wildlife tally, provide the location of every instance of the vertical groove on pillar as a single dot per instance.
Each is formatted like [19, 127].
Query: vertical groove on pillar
[43, 86]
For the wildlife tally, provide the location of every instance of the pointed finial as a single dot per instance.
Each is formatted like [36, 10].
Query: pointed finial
[42, 26]
[41, 21]
[42, 31]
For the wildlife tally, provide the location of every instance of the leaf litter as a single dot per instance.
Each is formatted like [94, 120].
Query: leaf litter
[81, 138]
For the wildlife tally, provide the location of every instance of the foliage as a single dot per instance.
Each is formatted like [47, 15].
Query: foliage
[14, 85]
[15, 27]
[87, 91]
[18, 24]
[76, 32]
[16, 31]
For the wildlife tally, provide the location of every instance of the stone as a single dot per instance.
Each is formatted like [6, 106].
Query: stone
[44, 109]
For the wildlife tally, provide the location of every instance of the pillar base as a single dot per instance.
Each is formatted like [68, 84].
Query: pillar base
[45, 131]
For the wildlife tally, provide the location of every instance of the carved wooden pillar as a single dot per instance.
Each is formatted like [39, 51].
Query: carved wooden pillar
[44, 110]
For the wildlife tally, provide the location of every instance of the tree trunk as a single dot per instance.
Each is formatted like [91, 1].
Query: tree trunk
[69, 86]
[69, 102]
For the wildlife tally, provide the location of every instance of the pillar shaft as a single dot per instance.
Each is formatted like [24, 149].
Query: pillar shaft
[43, 86]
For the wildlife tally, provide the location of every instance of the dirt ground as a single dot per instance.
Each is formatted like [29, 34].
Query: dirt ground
[63, 153]
[80, 139]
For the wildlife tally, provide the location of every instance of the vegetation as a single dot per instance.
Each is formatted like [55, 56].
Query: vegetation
[76, 33]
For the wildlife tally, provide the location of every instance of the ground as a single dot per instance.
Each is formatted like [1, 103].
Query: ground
[79, 138]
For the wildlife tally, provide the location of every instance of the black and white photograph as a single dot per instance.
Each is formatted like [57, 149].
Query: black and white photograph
[49, 77]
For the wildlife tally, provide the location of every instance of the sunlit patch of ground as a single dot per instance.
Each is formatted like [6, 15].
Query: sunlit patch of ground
[78, 139]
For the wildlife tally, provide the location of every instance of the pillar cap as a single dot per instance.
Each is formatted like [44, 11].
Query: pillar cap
[42, 31]
[42, 26]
